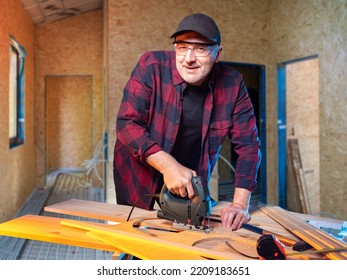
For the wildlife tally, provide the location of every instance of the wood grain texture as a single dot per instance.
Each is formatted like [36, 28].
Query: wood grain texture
[49, 229]
[96, 210]
[296, 167]
[146, 242]
[164, 244]
[143, 252]
[317, 238]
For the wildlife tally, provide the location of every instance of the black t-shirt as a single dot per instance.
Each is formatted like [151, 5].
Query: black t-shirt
[187, 148]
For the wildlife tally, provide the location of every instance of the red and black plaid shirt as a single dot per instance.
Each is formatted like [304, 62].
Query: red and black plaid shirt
[149, 117]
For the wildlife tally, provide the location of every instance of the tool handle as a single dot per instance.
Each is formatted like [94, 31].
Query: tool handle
[285, 240]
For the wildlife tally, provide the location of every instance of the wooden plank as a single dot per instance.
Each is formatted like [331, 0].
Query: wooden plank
[106, 211]
[318, 239]
[166, 246]
[132, 241]
[158, 245]
[296, 164]
[49, 229]
[305, 191]
[144, 242]
[96, 210]
[142, 252]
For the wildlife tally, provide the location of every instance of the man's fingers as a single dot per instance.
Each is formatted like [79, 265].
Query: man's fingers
[228, 220]
[234, 218]
[182, 191]
[182, 187]
[190, 190]
[232, 221]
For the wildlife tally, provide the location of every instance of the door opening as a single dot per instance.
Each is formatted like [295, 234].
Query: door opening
[254, 77]
[298, 118]
[69, 121]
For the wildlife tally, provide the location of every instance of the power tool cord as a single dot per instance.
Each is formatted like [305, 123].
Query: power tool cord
[239, 252]
[155, 195]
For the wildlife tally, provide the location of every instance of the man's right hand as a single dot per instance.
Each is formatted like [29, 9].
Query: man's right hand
[177, 178]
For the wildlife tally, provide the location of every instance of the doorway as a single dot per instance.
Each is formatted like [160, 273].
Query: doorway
[254, 78]
[69, 118]
[298, 119]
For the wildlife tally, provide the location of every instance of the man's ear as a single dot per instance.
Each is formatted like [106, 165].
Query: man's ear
[219, 54]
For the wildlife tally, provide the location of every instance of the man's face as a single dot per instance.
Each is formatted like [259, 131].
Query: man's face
[194, 69]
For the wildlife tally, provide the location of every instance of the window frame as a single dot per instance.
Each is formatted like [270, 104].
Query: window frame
[16, 93]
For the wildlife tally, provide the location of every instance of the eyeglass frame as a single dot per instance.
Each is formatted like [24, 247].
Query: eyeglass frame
[193, 49]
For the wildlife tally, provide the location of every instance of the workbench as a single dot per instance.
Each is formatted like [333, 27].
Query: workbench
[117, 234]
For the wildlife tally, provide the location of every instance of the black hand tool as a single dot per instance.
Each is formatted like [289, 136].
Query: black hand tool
[187, 213]
[270, 248]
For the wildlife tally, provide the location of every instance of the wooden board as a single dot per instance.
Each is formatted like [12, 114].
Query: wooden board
[318, 239]
[295, 165]
[146, 243]
[119, 213]
[49, 229]
[164, 244]
[96, 210]
[108, 211]
[142, 252]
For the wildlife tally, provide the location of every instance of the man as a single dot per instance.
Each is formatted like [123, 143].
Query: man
[177, 108]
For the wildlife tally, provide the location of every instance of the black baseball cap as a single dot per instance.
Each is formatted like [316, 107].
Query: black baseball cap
[200, 23]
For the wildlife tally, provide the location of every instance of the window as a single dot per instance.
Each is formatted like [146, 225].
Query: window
[16, 93]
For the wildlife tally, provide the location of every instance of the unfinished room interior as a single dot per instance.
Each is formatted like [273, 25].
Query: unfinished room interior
[64, 65]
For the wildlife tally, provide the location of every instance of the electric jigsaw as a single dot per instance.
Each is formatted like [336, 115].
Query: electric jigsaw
[186, 213]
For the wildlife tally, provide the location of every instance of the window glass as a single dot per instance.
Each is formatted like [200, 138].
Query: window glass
[16, 93]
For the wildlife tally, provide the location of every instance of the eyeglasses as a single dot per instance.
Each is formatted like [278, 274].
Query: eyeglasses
[199, 49]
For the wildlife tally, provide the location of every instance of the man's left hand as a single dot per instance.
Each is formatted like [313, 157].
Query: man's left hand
[233, 216]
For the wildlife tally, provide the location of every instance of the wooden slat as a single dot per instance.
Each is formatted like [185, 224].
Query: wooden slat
[296, 164]
[142, 252]
[49, 229]
[305, 191]
[132, 241]
[318, 239]
[106, 211]
[96, 210]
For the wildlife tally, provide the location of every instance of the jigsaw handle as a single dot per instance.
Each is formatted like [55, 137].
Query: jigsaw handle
[183, 209]
[198, 188]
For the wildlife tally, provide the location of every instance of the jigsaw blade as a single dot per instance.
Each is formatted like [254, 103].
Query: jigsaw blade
[203, 229]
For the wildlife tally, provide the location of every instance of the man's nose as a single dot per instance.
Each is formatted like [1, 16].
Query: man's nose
[190, 55]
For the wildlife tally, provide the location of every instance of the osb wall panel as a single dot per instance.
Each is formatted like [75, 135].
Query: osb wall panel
[68, 121]
[137, 26]
[69, 47]
[302, 100]
[304, 28]
[17, 166]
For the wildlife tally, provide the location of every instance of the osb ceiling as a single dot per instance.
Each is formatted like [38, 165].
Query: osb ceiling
[42, 11]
